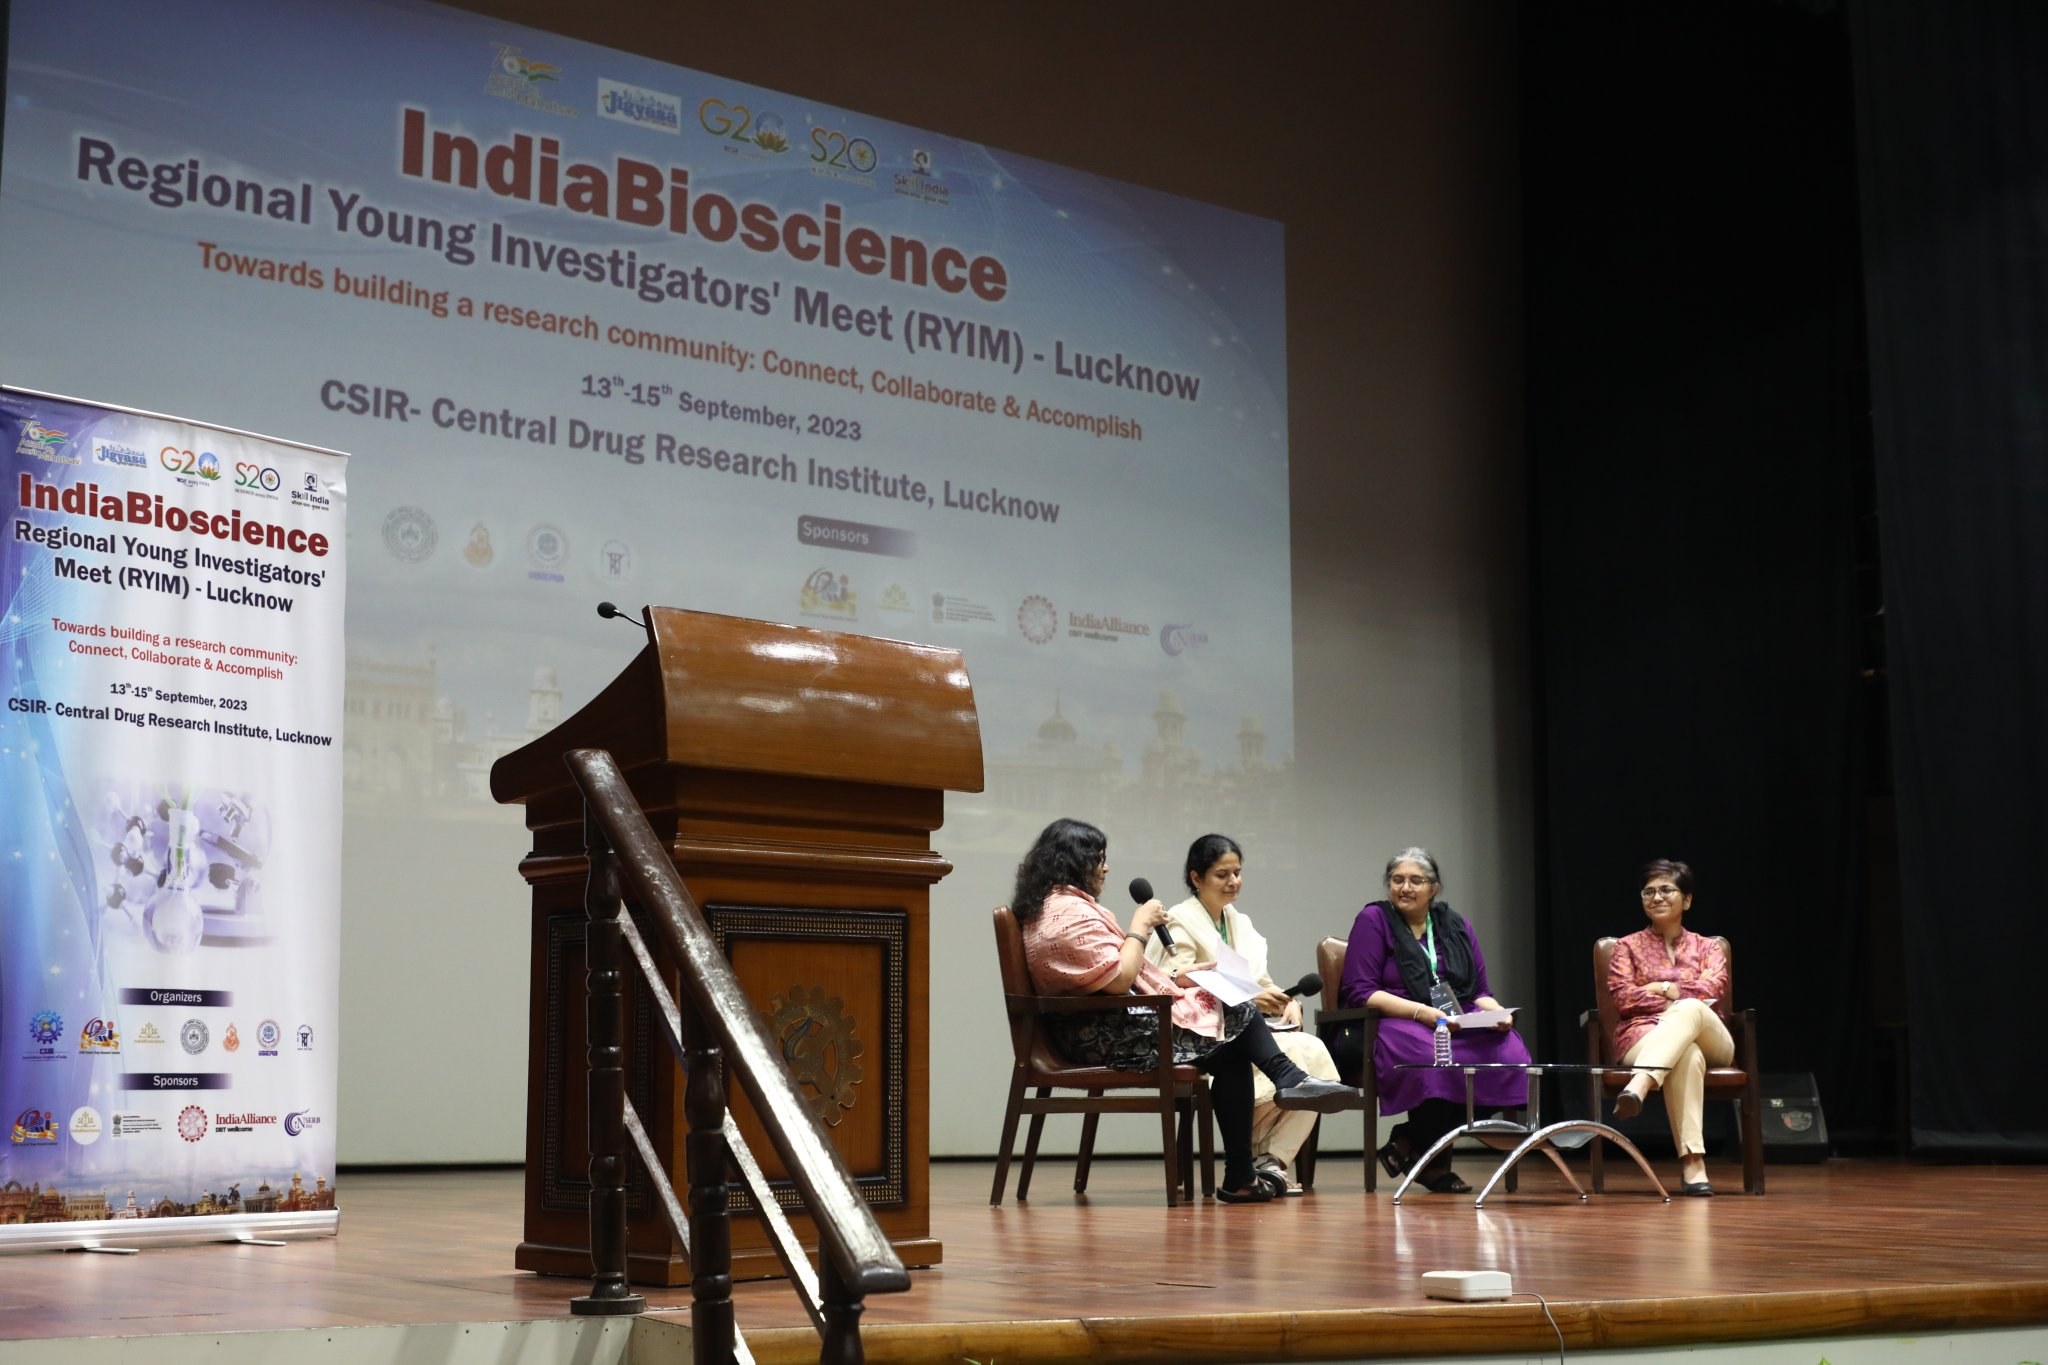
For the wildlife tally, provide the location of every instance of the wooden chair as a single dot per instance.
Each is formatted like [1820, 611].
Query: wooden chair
[1737, 1082]
[1329, 1022]
[1172, 1090]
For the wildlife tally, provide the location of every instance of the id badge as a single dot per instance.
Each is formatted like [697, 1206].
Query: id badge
[1440, 998]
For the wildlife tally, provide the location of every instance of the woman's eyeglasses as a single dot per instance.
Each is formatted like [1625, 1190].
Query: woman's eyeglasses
[1661, 893]
[1404, 883]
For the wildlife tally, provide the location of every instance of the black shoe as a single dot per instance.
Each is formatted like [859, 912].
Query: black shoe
[1698, 1188]
[1258, 1192]
[1627, 1104]
[1324, 1097]
[1446, 1181]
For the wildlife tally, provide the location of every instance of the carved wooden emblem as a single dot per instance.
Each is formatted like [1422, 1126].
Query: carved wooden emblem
[817, 1041]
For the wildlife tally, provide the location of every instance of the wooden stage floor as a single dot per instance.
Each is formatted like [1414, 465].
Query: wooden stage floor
[1847, 1247]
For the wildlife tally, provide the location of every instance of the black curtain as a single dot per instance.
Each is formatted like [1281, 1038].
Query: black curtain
[1952, 118]
[1696, 418]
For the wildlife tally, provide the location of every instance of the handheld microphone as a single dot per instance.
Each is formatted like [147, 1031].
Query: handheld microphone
[1311, 984]
[1141, 891]
[610, 609]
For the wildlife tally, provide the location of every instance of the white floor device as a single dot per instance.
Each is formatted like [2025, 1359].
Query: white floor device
[1467, 1286]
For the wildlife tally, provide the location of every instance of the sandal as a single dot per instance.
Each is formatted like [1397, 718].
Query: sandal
[1396, 1157]
[1258, 1192]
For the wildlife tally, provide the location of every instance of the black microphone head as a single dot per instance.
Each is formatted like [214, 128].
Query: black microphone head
[607, 610]
[1310, 984]
[1141, 890]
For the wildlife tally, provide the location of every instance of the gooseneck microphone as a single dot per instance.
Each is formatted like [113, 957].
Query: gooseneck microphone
[1141, 891]
[1311, 984]
[610, 609]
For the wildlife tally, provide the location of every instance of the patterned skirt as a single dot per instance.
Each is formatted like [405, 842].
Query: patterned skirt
[1128, 1039]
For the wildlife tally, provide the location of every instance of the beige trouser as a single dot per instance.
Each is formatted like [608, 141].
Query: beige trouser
[1278, 1132]
[1689, 1038]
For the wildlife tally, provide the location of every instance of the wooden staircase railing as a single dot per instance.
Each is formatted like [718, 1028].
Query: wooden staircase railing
[714, 1030]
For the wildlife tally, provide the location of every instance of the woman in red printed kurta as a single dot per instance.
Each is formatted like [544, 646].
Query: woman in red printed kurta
[1666, 982]
[1075, 947]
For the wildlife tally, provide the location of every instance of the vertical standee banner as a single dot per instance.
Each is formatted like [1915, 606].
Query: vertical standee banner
[170, 786]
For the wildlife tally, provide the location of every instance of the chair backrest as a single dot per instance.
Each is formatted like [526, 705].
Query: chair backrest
[1010, 954]
[1610, 1017]
[1330, 964]
[1028, 1042]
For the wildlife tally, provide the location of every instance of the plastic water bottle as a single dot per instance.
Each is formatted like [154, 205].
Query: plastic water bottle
[1443, 1042]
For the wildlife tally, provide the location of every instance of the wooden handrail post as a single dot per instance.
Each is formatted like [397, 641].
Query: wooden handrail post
[604, 955]
[842, 1311]
[711, 1312]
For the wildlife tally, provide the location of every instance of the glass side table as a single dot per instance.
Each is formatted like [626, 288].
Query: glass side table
[1519, 1139]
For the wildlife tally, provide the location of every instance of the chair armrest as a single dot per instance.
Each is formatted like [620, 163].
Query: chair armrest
[1346, 1015]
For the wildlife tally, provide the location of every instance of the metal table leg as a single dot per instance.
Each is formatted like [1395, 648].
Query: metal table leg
[1540, 1140]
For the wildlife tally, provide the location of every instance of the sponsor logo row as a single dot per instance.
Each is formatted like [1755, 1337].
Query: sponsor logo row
[831, 595]
[41, 1127]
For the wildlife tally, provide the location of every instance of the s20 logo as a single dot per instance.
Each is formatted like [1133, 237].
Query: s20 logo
[250, 475]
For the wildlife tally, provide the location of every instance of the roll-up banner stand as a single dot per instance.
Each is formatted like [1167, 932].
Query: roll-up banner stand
[170, 786]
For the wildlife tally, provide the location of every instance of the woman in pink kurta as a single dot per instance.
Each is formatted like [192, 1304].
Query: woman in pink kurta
[1666, 982]
[1076, 947]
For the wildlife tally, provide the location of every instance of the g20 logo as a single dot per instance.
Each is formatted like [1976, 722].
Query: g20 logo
[737, 123]
[205, 464]
[833, 148]
[250, 475]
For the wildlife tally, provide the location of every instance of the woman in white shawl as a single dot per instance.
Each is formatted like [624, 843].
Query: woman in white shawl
[1209, 917]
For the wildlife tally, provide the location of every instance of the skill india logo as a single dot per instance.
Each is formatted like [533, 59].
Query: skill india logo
[44, 442]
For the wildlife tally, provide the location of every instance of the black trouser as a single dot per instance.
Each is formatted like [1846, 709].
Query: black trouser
[1229, 1069]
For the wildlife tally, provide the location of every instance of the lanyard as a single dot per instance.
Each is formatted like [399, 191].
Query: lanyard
[1429, 943]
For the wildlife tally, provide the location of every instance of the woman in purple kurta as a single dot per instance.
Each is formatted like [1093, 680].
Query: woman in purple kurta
[1405, 953]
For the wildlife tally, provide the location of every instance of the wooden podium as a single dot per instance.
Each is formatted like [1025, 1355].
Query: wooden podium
[797, 776]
